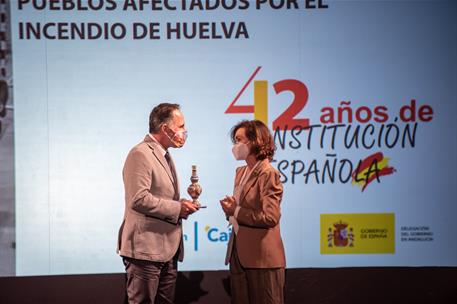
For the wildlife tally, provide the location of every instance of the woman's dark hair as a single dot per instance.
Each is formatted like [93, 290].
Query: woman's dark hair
[262, 143]
[161, 114]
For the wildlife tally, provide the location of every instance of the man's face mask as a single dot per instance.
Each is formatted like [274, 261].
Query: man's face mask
[177, 138]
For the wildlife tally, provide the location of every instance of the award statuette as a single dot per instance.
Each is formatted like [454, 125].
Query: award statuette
[194, 188]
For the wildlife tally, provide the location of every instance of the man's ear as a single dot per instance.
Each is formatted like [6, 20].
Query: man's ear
[163, 128]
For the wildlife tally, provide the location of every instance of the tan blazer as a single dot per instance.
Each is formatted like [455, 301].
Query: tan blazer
[151, 229]
[258, 242]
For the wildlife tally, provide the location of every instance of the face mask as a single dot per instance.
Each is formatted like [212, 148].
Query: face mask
[240, 151]
[178, 138]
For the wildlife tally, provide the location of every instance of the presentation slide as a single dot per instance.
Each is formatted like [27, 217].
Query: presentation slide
[360, 97]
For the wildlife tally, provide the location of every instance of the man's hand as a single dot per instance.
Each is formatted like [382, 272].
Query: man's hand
[187, 208]
[228, 204]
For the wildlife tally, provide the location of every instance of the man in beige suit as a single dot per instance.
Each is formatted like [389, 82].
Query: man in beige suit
[150, 237]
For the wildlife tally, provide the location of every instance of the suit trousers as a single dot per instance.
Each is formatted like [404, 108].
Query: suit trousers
[151, 282]
[255, 285]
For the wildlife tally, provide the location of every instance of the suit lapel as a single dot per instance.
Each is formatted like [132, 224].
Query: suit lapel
[156, 151]
[176, 173]
[251, 180]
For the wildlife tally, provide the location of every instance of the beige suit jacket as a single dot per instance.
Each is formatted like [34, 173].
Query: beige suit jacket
[151, 229]
[258, 241]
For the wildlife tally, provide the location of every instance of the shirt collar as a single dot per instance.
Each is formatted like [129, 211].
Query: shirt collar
[161, 148]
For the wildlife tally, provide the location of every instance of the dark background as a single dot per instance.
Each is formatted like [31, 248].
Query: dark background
[306, 285]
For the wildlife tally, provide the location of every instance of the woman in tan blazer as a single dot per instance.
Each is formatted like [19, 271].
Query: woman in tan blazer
[255, 250]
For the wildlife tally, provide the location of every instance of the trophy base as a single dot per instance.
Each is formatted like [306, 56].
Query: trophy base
[197, 203]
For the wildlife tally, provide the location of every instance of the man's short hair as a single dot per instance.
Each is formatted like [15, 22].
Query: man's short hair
[161, 114]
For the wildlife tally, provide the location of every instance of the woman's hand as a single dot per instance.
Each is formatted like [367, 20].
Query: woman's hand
[228, 204]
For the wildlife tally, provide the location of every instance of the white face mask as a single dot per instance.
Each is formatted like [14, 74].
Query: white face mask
[240, 151]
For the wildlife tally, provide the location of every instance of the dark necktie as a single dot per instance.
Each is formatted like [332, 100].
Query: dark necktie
[172, 170]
